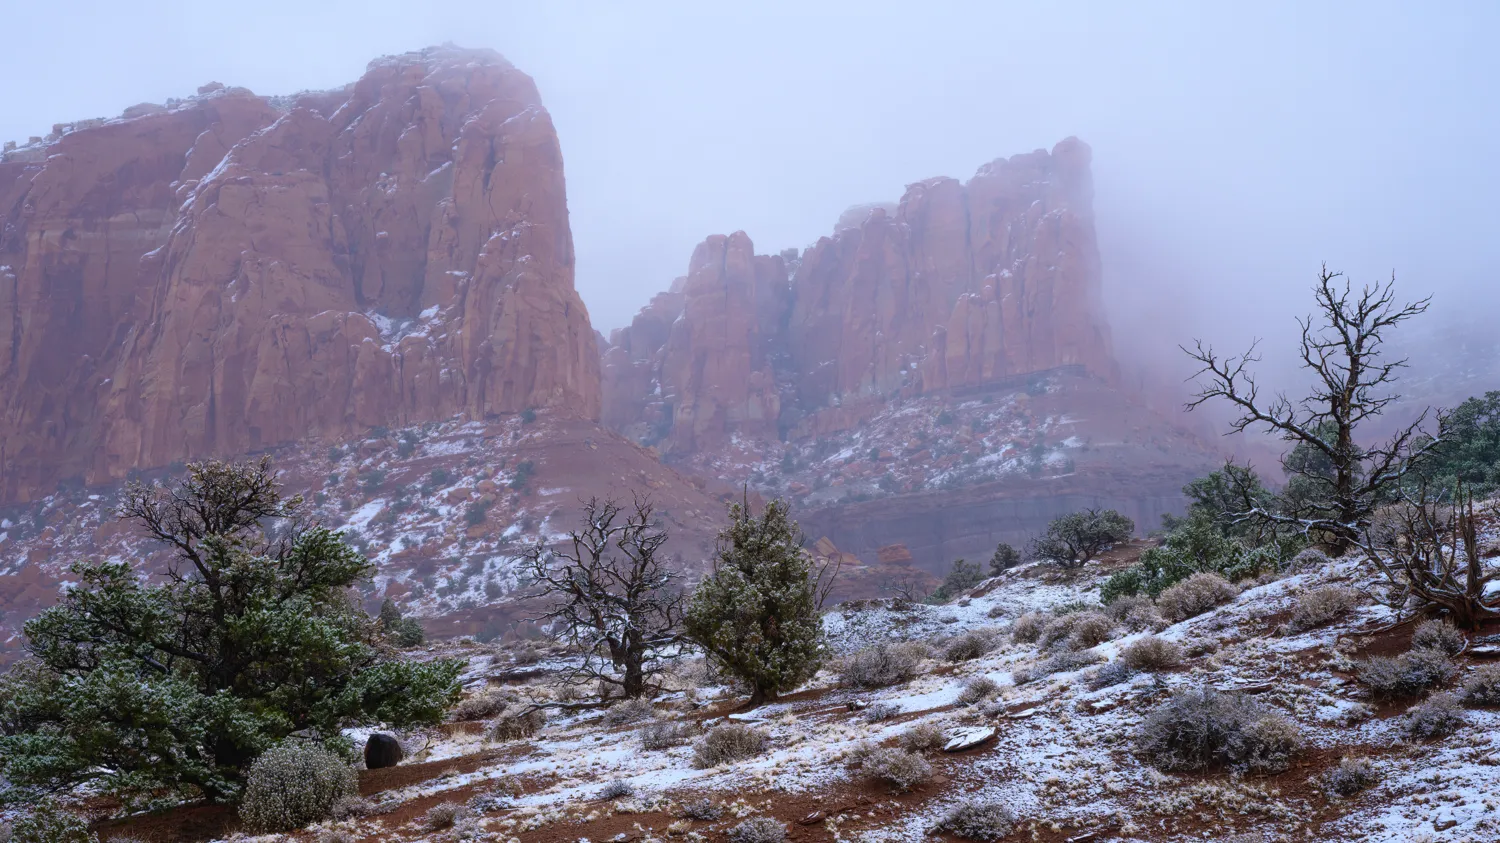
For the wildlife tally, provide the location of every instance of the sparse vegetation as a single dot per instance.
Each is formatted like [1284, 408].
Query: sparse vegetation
[1351, 776]
[882, 711]
[1437, 716]
[1482, 688]
[1440, 636]
[481, 705]
[728, 743]
[617, 789]
[978, 689]
[1089, 629]
[1410, 674]
[292, 785]
[963, 576]
[757, 614]
[922, 736]
[1152, 653]
[702, 809]
[902, 769]
[629, 711]
[1322, 605]
[1107, 675]
[969, 645]
[665, 735]
[1195, 546]
[882, 665]
[977, 818]
[519, 726]
[1202, 727]
[46, 822]
[1074, 540]
[1004, 558]
[1028, 628]
[758, 830]
[1195, 595]
[443, 815]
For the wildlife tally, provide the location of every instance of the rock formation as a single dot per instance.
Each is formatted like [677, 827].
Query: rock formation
[233, 271]
[958, 286]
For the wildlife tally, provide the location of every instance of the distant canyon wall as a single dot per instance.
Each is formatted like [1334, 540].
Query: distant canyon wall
[228, 272]
[958, 286]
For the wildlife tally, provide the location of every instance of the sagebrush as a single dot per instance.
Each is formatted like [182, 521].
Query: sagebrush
[291, 785]
[727, 743]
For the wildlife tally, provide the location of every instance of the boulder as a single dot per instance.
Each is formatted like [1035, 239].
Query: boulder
[382, 750]
[969, 738]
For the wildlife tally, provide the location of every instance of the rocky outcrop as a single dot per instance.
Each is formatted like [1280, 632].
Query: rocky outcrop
[958, 286]
[234, 271]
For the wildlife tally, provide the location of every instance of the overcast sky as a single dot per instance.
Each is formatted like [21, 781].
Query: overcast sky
[1233, 151]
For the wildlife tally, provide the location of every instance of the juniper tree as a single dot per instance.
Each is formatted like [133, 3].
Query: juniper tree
[611, 594]
[172, 686]
[1336, 484]
[757, 615]
[1078, 537]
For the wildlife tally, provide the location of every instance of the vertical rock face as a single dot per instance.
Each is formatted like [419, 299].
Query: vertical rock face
[958, 286]
[235, 271]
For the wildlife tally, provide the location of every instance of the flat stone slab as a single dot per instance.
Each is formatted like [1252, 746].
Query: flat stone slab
[969, 738]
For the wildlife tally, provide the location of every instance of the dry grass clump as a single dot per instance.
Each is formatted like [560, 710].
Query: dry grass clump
[1483, 686]
[483, 705]
[527, 654]
[352, 807]
[881, 711]
[704, 809]
[1152, 653]
[1351, 776]
[1322, 605]
[977, 689]
[443, 815]
[1438, 635]
[665, 735]
[292, 785]
[518, 726]
[728, 743]
[922, 736]
[1028, 628]
[970, 645]
[901, 768]
[1089, 629]
[1440, 715]
[1109, 674]
[1195, 595]
[758, 830]
[980, 819]
[1201, 727]
[1064, 662]
[332, 835]
[617, 789]
[1408, 675]
[626, 712]
[883, 665]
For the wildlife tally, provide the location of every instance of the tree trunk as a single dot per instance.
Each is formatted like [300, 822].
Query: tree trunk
[760, 696]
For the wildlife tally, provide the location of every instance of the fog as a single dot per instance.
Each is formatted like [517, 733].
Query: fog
[1234, 150]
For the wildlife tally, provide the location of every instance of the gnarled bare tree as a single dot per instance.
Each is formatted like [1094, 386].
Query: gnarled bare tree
[612, 597]
[1343, 482]
[1428, 551]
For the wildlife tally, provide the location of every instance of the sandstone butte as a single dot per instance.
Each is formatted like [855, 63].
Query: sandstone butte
[231, 271]
[958, 286]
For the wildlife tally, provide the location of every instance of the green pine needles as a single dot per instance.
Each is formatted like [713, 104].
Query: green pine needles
[757, 614]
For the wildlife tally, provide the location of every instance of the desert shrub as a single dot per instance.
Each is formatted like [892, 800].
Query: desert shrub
[1090, 629]
[291, 785]
[517, 726]
[882, 711]
[901, 768]
[1107, 675]
[1136, 612]
[664, 735]
[962, 577]
[495, 800]
[1435, 717]
[1309, 559]
[1074, 539]
[1195, 595]
[758, 830]
[1440, 636]
[882, 665]
[1195, 545]
[397, 628]
[1064, 662]
[48, 823]
[352, 807]
[1483, 686]
[1351, 776]
[922, 736]
[1028, 628]
[442, 815]
[629, 711]
[1004, 558]
[969, 645]
[332, 835]
[1152, 653]
[617, 789]
[702, 809]
[1407, 675]
[481, 706]
[976, 689]
[980, 819]
[526, 655]
[1200, 727]
[1322, 605]
[727, 743]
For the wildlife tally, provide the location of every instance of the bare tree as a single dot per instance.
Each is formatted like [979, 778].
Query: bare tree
[612, 597]
[1343, 481]
[1429, 553]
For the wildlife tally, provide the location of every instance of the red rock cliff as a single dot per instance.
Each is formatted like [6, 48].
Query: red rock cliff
[234, 271]
[958, 286]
